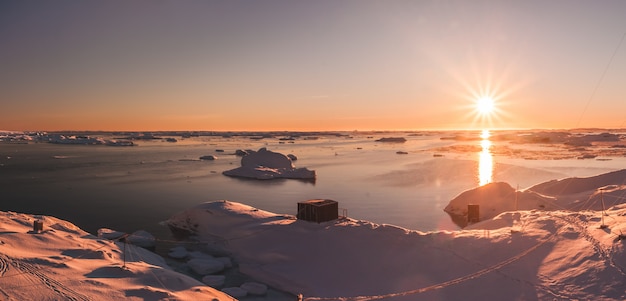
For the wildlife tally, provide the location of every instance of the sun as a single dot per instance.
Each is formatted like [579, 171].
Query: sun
[485, 105]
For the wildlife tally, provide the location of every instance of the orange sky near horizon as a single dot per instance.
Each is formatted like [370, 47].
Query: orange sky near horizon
[311, 66]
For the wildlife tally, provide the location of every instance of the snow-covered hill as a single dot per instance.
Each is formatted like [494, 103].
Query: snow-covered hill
[63, 262]
[591, 193]
[525, 255]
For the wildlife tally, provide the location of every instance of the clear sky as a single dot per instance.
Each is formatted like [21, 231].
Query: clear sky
[311, 65]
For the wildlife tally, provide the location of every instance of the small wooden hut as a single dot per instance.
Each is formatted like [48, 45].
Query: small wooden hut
[318, 210]
[473, 213]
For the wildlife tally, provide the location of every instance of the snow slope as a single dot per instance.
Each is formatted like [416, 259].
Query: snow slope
[525, 255]
[566, 194]
[63, 262]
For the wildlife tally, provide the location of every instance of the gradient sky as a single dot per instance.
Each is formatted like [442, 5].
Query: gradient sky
[310, 65]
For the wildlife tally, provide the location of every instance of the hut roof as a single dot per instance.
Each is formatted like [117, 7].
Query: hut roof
[318, 202]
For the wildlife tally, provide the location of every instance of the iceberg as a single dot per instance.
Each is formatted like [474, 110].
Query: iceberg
[264, 165]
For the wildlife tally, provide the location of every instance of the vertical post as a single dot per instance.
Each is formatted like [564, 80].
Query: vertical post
[124, 266]
[123, 239]
[602, 226]
[516, 192]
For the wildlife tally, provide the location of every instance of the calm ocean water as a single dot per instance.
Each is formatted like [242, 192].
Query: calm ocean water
[132, 188]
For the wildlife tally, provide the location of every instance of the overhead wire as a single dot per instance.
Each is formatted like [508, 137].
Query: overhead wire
[595, 89]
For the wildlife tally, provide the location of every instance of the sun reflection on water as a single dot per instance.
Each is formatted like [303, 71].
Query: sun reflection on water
[485, 161]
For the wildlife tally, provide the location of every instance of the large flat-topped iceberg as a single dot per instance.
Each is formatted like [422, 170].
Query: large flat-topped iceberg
[264, 164]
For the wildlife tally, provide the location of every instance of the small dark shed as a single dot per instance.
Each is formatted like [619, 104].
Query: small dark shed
[318, 210]
[473, 213]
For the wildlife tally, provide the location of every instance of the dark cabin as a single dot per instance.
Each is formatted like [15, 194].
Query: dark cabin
[318, 210]
[473, 213]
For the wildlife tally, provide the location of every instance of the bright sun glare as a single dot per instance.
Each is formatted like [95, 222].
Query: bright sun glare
[485, 105]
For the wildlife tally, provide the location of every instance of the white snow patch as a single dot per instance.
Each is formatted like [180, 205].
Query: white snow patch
[63, 262]
[514, 256]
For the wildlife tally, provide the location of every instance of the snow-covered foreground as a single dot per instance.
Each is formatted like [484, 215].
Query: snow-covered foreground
[525, 255]
[63, 262]
[568, 249]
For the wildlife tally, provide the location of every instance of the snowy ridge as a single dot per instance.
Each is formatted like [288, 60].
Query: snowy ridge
[63, 262]
[529, 255]
[566, 194]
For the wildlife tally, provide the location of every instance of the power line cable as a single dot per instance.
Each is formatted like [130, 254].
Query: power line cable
[595, 89]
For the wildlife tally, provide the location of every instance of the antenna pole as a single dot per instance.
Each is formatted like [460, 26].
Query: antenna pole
[516, 192]
[602, 226]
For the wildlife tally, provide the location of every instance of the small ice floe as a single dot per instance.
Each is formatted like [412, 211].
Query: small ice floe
[208, 157]
[178, 252]
[392, 139]
[83, 140]
[226, 261]
[214, 280]
[264, 164]
[254, 288]
[119, 143]
[171, 139]
[219, 150]
[206, 266]
[402, 153]
[236, 292]
[241, 152]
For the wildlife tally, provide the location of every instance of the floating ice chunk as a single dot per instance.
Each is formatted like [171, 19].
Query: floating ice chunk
[265, 164]
[254, 288]
[236, 292]
[201, 255]
[205, 266]
[392, 139]
[178, 252]
[208, 157]
[119, 143]
[241, 152]
[214, 280]
[226, 261]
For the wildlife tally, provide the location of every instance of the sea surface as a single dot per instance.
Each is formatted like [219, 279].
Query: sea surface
[132, 188]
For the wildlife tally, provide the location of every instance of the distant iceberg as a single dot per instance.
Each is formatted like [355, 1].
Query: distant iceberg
[264, 165]
[392, 139]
